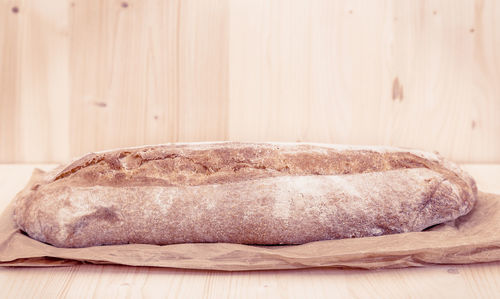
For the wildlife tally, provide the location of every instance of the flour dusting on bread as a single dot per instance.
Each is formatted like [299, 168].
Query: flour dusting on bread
[249, 193]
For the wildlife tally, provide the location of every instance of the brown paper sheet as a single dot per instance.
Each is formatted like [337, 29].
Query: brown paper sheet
[473, 238]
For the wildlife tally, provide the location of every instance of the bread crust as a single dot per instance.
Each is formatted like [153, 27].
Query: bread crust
[249, 193]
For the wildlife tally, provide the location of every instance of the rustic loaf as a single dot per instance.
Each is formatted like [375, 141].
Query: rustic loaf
[249, 193]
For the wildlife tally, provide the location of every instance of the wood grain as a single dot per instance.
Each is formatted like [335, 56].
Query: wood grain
[86, 281]
[34, 82]
[79, 76]
[93, 281]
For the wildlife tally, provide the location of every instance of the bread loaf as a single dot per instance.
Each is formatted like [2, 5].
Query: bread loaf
[248, 193]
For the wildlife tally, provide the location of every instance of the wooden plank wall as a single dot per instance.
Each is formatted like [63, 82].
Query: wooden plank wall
[80, 76]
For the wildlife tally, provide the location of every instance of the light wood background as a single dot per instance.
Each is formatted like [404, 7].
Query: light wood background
[79, 76]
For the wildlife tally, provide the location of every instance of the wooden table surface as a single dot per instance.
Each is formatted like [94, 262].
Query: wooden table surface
[457, 281]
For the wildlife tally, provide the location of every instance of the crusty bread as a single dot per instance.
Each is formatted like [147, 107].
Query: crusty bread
[249, 193]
